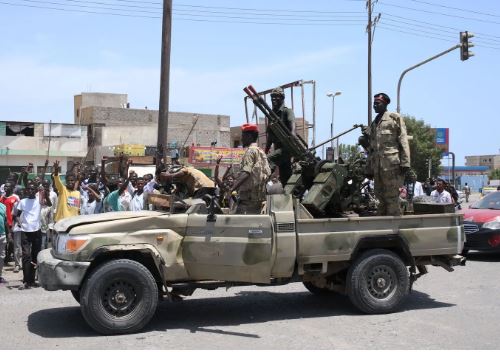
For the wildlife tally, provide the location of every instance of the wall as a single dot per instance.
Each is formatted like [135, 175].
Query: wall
[493, 161]
[139, 126]
[97, 99]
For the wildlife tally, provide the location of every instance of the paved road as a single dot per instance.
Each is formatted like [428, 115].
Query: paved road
[458, 310]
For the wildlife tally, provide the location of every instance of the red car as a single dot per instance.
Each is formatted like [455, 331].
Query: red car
[482, 224]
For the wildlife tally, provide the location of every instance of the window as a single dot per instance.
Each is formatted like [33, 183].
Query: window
[20, 129]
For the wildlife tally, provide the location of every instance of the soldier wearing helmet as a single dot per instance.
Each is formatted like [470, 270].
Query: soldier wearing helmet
[280, 157]
[388, 155]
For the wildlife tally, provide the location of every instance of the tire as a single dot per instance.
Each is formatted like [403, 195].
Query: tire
[378, 282]
[319, 291]
[119, 297]
[76, 295]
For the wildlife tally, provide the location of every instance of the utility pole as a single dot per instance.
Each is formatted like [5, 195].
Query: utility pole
[166, 41]
[371, 24]
[369, 30]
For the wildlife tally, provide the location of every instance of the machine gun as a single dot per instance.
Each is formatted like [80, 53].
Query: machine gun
[332, 188]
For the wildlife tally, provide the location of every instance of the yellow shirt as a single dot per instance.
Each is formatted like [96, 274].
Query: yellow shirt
[69, 201]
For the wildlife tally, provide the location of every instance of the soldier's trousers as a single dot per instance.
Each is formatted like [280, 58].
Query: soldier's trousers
[283, 160]
[387, 185]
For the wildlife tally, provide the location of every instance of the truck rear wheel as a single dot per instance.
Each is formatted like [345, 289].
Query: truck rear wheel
[378, 282]
[119, 297]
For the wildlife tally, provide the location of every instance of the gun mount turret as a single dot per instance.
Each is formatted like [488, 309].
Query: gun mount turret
[325, 188]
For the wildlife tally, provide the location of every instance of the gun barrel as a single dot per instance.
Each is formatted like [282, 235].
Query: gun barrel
[294, 145]
[337, 136]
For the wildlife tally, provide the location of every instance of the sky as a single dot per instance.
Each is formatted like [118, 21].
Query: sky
[55, 49]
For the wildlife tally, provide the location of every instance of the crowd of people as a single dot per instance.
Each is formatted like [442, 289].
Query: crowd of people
[30, 207]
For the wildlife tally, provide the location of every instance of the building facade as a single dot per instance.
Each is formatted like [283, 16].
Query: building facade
[492, 161]
[31, 142]
[109, 126]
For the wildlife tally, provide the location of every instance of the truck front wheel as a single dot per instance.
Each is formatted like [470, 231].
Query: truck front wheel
[378, 281]
[119, 297]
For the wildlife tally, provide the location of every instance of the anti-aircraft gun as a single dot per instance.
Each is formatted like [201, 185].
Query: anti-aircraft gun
[325, 188]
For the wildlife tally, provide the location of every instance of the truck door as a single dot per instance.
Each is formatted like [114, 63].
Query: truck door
[233, 248]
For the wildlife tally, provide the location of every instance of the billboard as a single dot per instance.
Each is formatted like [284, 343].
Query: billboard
[442, 139]
[206, 156]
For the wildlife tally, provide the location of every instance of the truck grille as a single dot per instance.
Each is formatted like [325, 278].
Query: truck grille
[470, 228]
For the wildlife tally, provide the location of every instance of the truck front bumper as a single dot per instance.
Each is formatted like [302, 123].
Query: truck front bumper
[56, 274]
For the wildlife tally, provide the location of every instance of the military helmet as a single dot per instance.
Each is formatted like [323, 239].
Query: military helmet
[278, 91]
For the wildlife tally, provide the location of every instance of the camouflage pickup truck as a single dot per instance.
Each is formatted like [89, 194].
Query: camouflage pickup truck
[119, 265]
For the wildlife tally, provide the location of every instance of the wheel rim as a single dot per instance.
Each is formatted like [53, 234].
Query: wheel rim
[381, 281]
[120, 297]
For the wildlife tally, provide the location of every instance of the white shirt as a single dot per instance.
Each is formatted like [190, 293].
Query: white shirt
[124, 201]
[150, 186]
[87, 208]
[418, 190]
[443, 197]
[137, 202]
[30, 216]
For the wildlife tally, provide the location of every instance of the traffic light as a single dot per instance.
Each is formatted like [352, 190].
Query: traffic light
[465, 44]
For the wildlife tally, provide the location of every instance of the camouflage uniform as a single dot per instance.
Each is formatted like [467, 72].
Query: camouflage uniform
[253, 191]
[388, 152]
[194, 180]
[281, 157]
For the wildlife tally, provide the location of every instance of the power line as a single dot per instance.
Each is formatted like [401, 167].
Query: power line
[181, 18]
[113, 4]
[456, 8]
[295, 17]
[437, 25]
[87, 6]
[266, 10]
[246, 18]
[433, 36]
[481, 39]
[438, 13]
[415, 34]
[74, 10]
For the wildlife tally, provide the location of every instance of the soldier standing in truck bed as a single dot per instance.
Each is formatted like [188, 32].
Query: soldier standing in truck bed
[388, 155]
[251, 181]
[280, 157]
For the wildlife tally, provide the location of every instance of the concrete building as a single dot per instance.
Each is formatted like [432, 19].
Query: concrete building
[492, 161]
[28, 142]
[117, 124]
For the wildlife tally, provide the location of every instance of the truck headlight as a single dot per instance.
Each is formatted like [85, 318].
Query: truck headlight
[70, 244]
[493, 225]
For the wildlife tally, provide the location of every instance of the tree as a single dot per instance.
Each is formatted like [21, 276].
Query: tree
[422, 148]
[348, 151]
[495, 174]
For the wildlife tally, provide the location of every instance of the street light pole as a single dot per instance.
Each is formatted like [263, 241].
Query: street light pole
[398, 109]
[333, 95]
